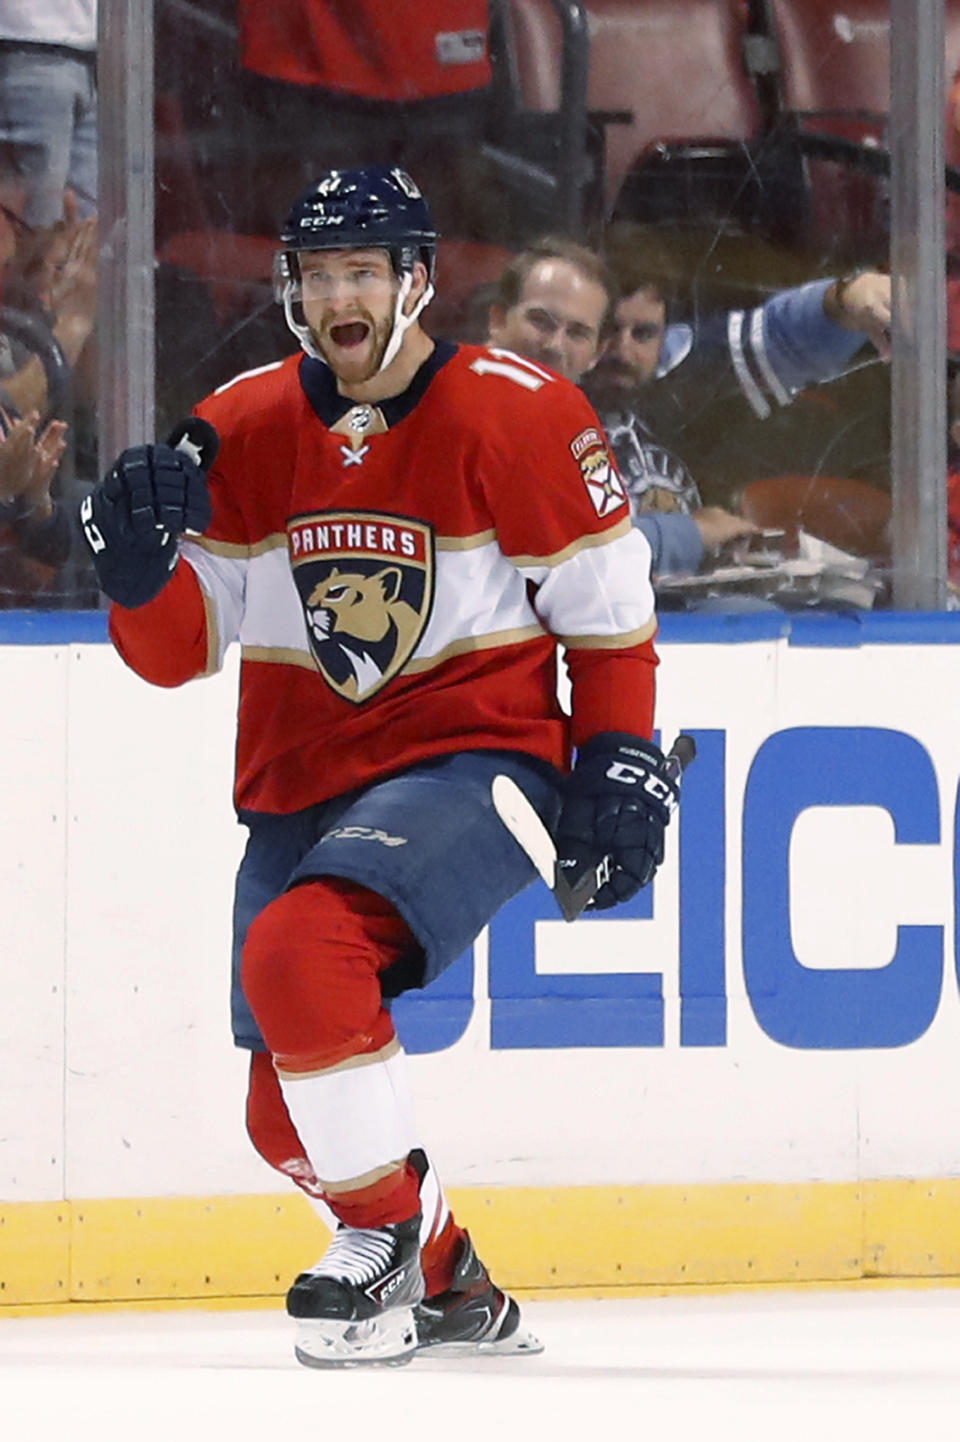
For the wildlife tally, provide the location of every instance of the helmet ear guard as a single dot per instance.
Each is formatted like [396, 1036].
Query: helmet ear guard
[286, 272]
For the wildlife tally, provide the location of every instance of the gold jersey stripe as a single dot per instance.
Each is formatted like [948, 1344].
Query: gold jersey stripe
[278, 540]
[213, 634]
[463, 647]
[584, 543]
[287, 656]
[350, 1063]
[611, 643]
[234, 551]
[465, 543]
[278, 655]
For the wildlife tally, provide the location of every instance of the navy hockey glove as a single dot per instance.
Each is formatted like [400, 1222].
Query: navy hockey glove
[152, 494]
[616, 805]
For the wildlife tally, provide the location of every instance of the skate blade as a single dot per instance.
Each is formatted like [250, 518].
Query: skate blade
[389, 1340]
[520, 1343]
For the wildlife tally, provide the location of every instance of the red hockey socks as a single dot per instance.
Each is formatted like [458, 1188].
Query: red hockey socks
[311, 972]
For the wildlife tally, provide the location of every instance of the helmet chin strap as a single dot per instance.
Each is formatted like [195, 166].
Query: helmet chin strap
[401, 322]
[303, 333]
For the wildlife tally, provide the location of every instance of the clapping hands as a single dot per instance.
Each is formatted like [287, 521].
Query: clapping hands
[28, 461]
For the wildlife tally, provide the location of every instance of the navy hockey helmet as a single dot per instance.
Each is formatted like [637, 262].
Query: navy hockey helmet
[377, 206]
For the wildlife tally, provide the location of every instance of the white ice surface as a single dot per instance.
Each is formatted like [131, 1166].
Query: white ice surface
[832, 1366]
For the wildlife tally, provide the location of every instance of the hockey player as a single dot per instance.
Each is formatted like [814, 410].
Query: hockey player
[398, 532]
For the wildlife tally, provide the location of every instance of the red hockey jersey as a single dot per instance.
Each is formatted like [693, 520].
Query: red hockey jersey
[398, 575]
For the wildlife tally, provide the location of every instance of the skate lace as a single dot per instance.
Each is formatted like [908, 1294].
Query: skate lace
[356, 1255]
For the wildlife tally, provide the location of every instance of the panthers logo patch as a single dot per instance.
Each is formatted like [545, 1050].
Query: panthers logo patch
[366, 585]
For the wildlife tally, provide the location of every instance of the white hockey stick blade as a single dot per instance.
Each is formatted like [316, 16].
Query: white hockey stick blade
[521, 820]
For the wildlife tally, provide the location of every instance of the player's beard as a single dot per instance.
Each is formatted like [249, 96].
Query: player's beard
[358, 363]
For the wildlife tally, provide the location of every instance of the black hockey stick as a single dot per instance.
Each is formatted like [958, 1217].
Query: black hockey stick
[525, 826]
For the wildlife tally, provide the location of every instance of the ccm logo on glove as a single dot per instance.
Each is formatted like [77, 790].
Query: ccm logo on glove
[655, 786]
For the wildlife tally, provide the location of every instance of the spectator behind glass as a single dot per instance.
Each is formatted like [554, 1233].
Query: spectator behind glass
[40, 339]
[752, 362]
[48, 156]
[51, 276]
[48, 104]
[34, 529]
[553, 304]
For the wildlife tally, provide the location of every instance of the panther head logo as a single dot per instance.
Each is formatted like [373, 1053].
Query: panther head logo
[361, 630]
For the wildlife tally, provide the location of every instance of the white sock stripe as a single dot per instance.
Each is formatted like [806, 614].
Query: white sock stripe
[353, 1122]
[443, 1212]
[431, 1198]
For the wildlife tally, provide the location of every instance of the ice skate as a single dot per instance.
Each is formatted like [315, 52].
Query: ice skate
[473, 1316]
[356, 1305]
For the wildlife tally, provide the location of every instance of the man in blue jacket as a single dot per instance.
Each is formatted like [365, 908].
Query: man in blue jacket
[559, 305]
[650, 374]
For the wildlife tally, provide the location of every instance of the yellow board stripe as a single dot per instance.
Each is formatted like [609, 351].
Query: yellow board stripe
[533, 1239]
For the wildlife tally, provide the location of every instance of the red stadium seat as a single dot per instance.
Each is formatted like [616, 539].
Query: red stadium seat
[236, 268]
[834, 77]
[675, 67]
[462, 267]
[847, 513]
[835, 59]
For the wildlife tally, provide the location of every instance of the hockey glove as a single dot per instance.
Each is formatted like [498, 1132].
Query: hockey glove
[153, 494]
[616, 805]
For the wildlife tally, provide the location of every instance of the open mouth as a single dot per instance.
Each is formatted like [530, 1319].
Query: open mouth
[351, 333]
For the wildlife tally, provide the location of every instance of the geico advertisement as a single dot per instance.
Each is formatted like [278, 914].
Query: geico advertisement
[828, 818]
[781, 1003]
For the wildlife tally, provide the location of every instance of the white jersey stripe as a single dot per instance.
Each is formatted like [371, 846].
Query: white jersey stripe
[223, 583]
[481, 600]
[522, 360]
[509, 371]
[603, 591]
[247, 375]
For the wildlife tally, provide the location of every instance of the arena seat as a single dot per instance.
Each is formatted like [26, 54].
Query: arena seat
[834, 83]
[463, 267]
[834, 60]
[668, 69]
[846, 512]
